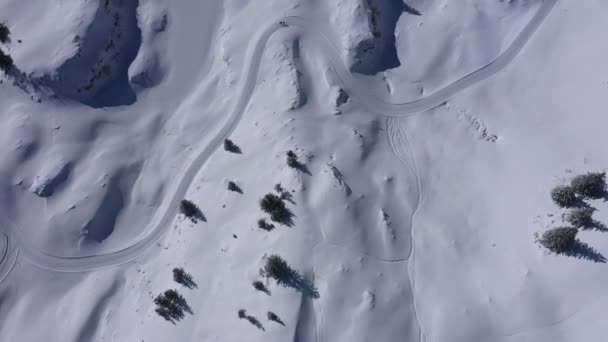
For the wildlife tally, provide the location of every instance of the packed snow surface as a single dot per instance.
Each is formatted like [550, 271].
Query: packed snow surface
[425, 138]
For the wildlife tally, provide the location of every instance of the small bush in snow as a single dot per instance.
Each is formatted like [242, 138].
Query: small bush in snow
[590, 185]
[182, 277]
[559, 240]
[6, 62]
[275, 206]
[188, 208]
[231, 146]
[274, 317]
[564, 196]
[4, 34]
[242, 313]
[255, 322]
[262, 224]
[171, 305]
[258, 285]
[233, 187]
[174, 296]
[292, 160]
[580, 217]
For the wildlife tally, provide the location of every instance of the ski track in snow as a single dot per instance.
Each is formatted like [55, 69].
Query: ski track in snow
[401, 147]
[8, 256]
[358, 93]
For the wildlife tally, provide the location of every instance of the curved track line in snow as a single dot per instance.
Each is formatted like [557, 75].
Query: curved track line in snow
[8, 256]
[394, 131]
[3, 247]
[254, 56]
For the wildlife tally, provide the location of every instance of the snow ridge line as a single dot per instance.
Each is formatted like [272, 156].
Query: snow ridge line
[255, 51]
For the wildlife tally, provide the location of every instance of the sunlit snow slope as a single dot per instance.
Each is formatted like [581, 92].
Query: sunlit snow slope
[429, 135]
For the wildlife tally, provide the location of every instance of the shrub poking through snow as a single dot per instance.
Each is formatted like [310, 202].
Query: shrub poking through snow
[188, 208]
[275, 206]
[6, 62]
[262, 224]
[232, 186]
[242, 313]
[273, 317]
[292, 160]
[171, 305]
[231, 146]
[258, 285]
[559, 240]
[255, 322]
[580, 217]
[277, 268]
[182, 277]
[591, 185]
[564, 196]
[175, 297]
[4, 34]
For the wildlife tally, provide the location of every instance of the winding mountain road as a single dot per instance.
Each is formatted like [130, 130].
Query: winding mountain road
[161, 222]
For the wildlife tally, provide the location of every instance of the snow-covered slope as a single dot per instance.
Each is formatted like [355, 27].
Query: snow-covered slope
[429, 135]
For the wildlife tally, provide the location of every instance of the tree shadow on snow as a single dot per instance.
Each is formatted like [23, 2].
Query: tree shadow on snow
[287, 196]
[188, 282]
[198, 215]
[285, 217]
[605, 196]
[599, 226]
[410, 10]
[579, 203]
[235, 188]
[581, 250]
[295, 280]
[255, 322]
[303, 168]
[276, 320]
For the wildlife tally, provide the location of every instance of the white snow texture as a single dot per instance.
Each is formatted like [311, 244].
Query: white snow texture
[425, 139]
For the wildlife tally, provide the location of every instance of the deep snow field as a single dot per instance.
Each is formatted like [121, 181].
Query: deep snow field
[430, 135]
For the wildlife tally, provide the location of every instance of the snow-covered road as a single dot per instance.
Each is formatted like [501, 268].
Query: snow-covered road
[358, 91]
